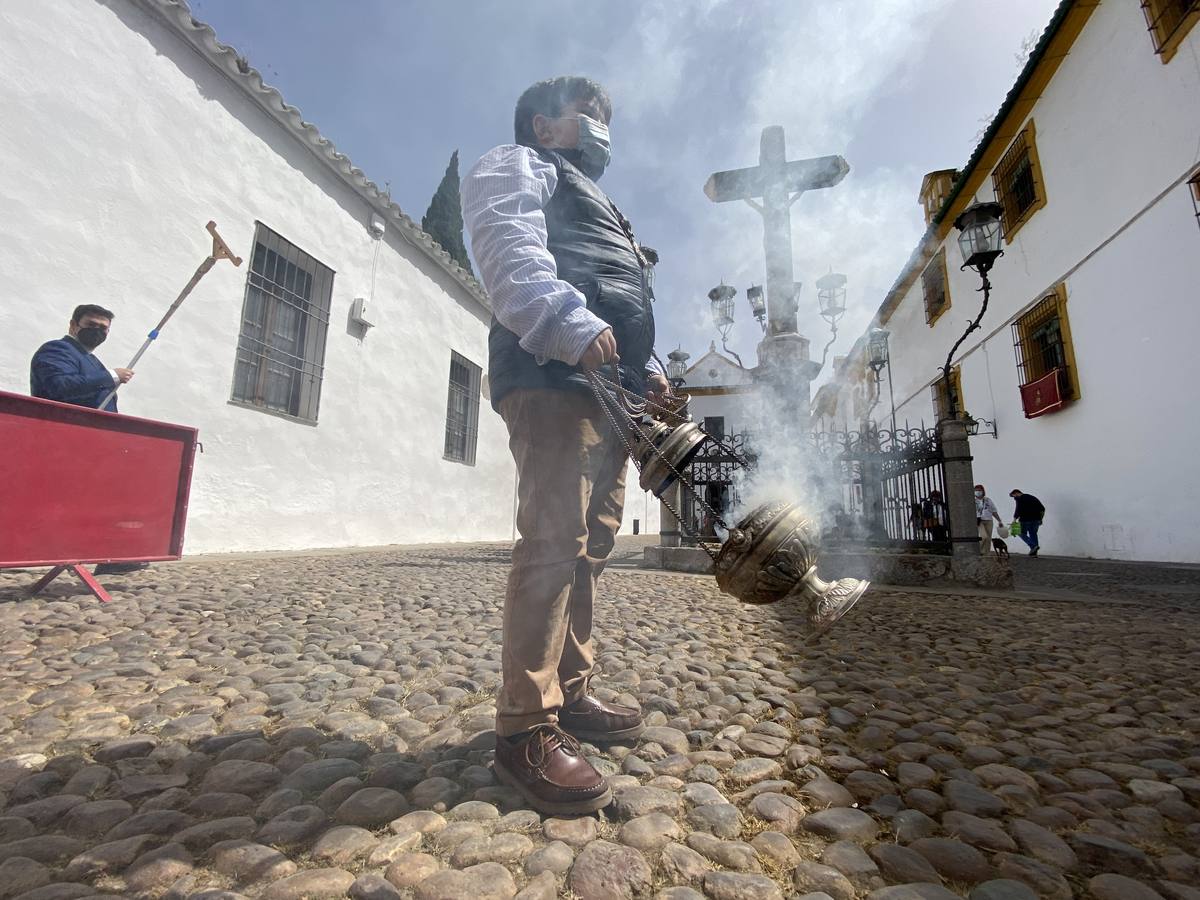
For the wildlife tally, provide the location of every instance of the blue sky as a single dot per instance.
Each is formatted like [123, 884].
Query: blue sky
[898, 87]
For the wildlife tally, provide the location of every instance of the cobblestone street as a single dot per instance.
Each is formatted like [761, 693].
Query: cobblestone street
[319, 725]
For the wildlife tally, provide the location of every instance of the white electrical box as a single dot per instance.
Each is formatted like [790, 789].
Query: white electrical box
[358, 313]
[378, 226]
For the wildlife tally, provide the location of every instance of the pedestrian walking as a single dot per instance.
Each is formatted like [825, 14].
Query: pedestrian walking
[985, 514]
[1029, 512]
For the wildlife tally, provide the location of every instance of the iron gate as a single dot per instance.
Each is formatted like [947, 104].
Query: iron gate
[711, 473]
[888, 484]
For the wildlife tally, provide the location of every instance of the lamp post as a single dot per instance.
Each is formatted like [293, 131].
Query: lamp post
[831, 301]
[758, 304]
[973, 426]
[979, 241]
[721, 299]
[878, 357]
[677, 367]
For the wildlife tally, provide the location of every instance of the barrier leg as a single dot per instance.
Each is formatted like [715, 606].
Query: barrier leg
[45, 580]
[91, 583]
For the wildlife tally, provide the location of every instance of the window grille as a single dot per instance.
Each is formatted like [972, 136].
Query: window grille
[285, 318]
[1165, 20]
[1017, 181]
[941, 403]
[715, 425]
[1194, 184]
[462, 410]
[933, 284]
[1042, 342]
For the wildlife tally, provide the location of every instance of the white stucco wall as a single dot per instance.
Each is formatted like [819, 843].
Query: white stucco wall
[1115, 128]
[120, 142]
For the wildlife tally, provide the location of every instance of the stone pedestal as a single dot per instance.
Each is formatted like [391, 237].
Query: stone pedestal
[785, 376]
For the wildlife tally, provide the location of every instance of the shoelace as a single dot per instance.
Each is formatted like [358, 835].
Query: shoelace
[546, 740]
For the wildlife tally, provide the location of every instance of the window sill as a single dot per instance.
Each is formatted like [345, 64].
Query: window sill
[459, 462]
[1171, 45]
[273, 412]
[941, 312]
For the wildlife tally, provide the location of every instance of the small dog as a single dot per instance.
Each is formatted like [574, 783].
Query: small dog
[999, 548]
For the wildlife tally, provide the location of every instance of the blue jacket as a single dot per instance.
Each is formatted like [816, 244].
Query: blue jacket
[66, 371]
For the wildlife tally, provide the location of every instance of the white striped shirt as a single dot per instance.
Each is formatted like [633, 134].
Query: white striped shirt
[503, 197]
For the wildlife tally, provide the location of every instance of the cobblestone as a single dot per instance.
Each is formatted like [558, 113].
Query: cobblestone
[320, 725]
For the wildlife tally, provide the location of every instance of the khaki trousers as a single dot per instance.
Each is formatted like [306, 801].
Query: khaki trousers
[985, 536]
[570, 495]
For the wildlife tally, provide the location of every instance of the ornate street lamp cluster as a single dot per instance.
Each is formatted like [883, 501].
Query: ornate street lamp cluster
[831, 302]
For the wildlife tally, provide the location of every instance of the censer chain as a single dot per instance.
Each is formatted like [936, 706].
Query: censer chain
[607, 401]
[635, 405]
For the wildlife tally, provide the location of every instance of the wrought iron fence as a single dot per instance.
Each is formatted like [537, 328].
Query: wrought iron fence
[711, 473]
[891, 486]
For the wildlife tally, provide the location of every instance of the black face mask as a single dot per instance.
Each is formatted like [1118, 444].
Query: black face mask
[91, 336]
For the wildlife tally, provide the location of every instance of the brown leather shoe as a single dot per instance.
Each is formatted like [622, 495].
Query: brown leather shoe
[548, 769]
[593, 720]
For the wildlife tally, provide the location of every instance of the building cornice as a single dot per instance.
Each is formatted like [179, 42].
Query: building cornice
[1047, 55]
[225, 59]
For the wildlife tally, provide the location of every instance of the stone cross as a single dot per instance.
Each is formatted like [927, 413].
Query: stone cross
[779, 183]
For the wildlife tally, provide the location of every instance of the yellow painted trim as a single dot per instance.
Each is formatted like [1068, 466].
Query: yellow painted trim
[1059, 47]
[956, 386]
[945, 283]
[706, 391]
[1171, 44]
[1038, 180]
[1064, 327]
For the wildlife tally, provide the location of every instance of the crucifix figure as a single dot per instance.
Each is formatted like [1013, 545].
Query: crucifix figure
[783, 354]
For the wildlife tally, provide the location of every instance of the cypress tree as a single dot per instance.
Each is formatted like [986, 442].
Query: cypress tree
[443, 220]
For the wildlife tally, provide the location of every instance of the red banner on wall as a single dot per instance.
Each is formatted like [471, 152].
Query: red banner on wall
[1042, 396]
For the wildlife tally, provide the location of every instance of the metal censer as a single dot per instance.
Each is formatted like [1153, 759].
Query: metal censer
[770, 554]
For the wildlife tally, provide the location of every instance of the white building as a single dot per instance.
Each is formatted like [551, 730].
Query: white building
[127, 126]
[719, 390]
[1095, 155]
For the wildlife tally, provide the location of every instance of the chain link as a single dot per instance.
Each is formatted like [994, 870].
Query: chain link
[608, 403]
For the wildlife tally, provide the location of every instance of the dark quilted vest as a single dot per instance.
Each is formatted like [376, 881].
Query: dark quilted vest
[596, 255]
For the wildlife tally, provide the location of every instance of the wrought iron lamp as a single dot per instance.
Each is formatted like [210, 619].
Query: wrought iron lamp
[878, 357]
[973, 426]
[758, 304]
[677, 367]
[831, 301]
[721, 298]
[980, 240]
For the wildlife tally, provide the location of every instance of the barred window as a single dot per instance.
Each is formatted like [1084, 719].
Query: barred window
[285, 318]
[462, 410]
[933, 284]
[1017, 181]
[941, 402]
[1042, 339]
[1169, 21]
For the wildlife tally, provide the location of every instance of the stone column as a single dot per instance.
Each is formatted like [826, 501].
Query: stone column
[960, 488]
[669, 533]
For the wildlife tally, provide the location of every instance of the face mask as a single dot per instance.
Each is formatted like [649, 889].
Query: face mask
[979, 494]
[594, 148]
[92, 336]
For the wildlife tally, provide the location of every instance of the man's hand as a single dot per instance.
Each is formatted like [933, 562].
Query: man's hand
[123, 375]
[602, 350]
[657, 387]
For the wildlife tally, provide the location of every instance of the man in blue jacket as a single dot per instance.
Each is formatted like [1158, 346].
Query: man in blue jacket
[66, 369]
